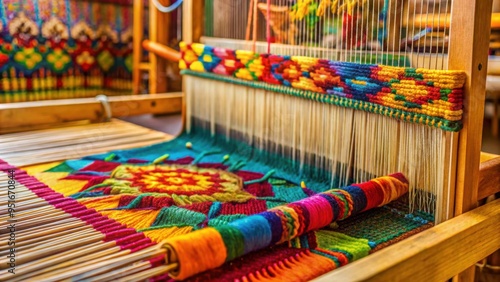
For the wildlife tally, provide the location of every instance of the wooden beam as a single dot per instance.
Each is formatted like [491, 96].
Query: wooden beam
[432, 255]
[487, 156]
[489, 178]
[28, 114]
[440, 21]
[73, 142]
[162, 50]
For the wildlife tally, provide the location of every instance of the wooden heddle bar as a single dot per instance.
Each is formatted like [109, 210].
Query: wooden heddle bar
[27, 115]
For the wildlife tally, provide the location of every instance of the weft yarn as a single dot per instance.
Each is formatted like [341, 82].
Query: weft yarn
[211, 247]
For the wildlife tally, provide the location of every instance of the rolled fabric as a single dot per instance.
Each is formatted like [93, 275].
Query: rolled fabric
[211, 247]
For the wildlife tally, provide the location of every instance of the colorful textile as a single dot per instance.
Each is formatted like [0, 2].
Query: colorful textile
[64, 49]
[430, 97]
[196, 183]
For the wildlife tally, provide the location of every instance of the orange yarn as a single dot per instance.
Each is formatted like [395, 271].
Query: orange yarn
[206, 245]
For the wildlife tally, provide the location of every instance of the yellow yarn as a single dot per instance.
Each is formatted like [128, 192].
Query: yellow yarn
[323, 5]
[302, 9]
[104, 203]
[39, 168]
[137, 219]
[198, 48]
[160, 234]
[292, 229]
[197, 66]
[336, 7]
[64, 186]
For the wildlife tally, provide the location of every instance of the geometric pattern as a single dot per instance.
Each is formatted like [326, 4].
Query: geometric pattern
[431, 97]
[64, 49]
[191, 189]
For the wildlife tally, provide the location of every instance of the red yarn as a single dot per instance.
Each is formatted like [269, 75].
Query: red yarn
[252, 206]
[101, 166]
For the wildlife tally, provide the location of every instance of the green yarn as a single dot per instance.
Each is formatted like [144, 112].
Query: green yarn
[174, 215]
[387, 225]
[235, 242]
[289, 194]
[110, 157]
[264, 178]
[334, 241]
[161, 159]
[225, 219]
[63, 167]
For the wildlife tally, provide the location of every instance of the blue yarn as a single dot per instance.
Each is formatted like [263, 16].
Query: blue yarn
[3, 15]
[256, 232]
[275, 224]
[87, 195]
[205, 153]
[304, 242]
[289, 194]
[92, 173]
[358, 198]
[255, 160]
[37, 13]
[224, 219]
[214, 209]
[77, 164]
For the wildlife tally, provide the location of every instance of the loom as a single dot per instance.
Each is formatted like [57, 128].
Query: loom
[64, 49]
[299, 96]
[358, 156]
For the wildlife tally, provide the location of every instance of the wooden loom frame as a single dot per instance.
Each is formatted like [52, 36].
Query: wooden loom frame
[435, 254]
[438, 253]
[157, 83]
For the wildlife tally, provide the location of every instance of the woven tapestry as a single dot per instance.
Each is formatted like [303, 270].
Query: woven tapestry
[263, 221]
[64, 49]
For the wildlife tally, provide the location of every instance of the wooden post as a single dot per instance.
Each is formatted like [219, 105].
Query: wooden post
[470, 53]
[138, 30]
[153, 36]
[192, 20]
[162, 37]
[192, 30]
[469, 41]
